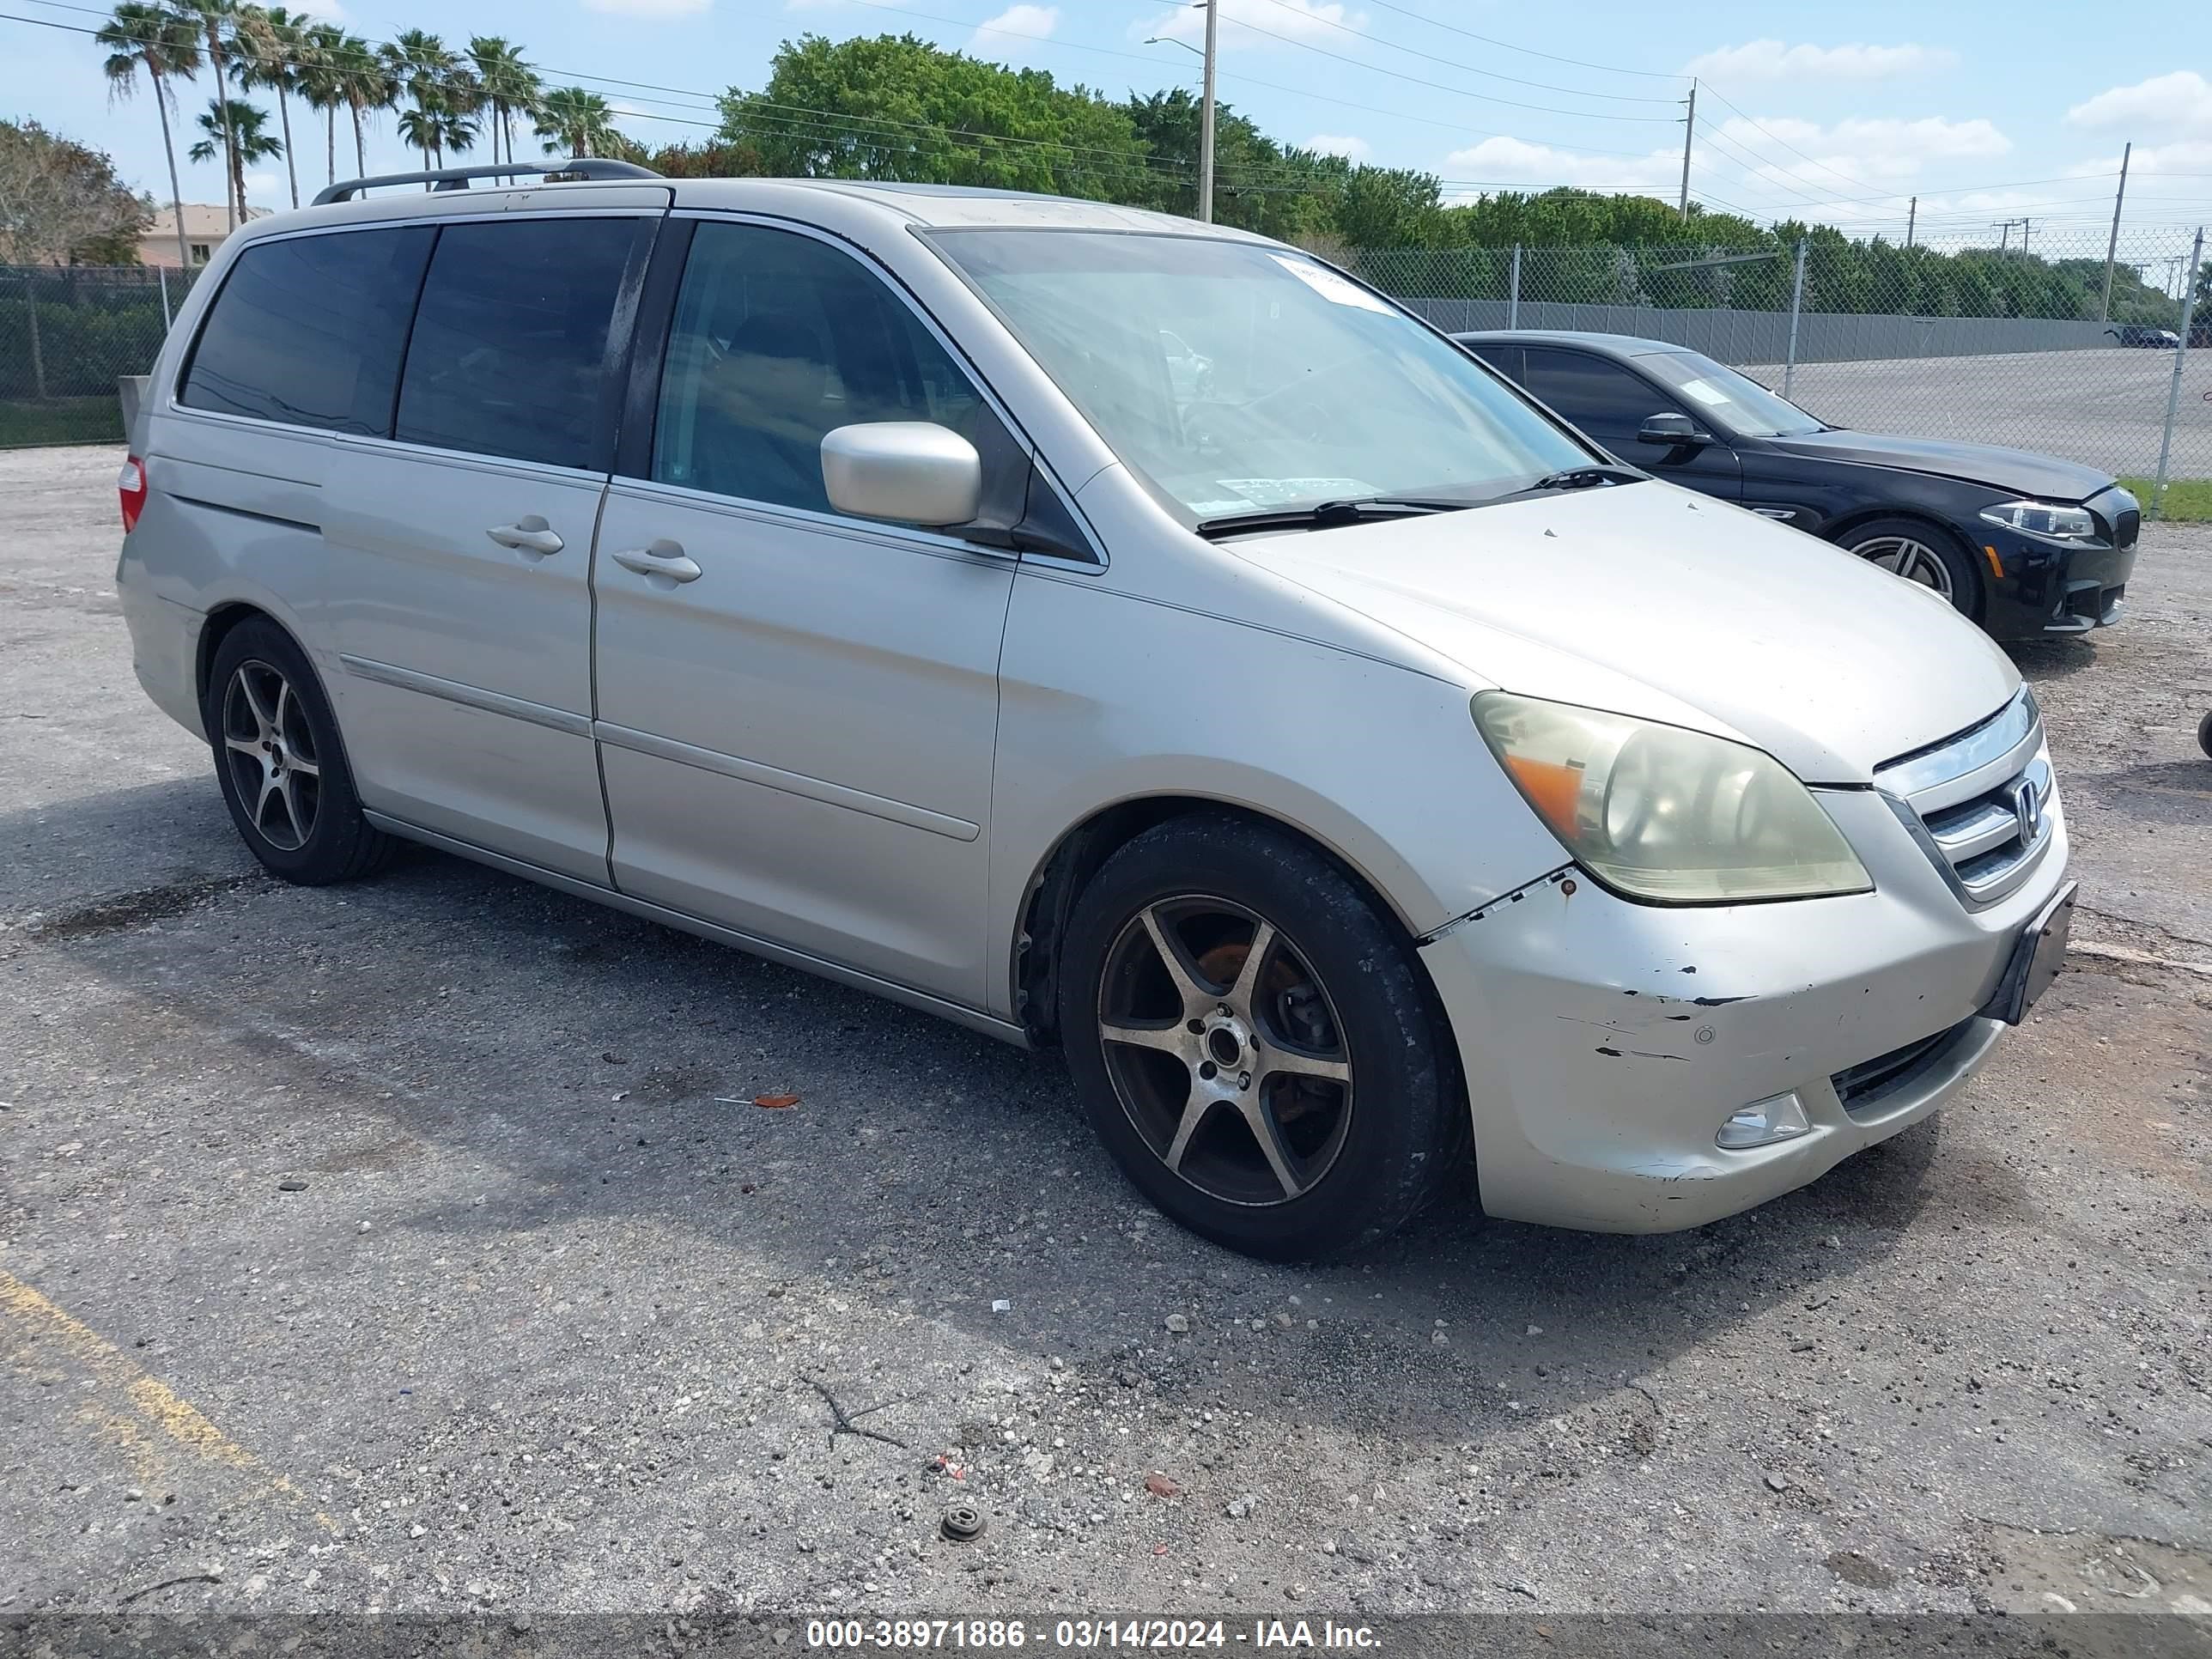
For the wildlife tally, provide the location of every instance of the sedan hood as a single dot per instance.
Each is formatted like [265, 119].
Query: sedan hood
[2014, 470]
[1649, 600]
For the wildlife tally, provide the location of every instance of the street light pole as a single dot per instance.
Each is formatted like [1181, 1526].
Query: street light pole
[1206, 122]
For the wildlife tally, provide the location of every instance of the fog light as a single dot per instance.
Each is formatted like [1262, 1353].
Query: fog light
[1778, 1117]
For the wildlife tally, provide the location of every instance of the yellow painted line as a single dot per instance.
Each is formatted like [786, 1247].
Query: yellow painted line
[158, 1405]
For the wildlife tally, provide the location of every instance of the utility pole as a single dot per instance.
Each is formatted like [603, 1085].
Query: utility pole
[2024, 222]
[1689, 131]
[1206, 121]
[1911, 218]
[2111, 247]
[2004, 241]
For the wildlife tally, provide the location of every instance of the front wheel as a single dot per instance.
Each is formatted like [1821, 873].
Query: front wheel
[1922, 553]
[1254, 1041]
[2205, 733]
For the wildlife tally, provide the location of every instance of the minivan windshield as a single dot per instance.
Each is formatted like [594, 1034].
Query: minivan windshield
[1236, 380]
[1735, 401]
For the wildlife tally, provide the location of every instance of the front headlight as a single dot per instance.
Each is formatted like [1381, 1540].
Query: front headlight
[1658, 812]
[2048, 519]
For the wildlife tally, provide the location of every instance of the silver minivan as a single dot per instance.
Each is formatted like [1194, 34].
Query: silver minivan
[1353, 770]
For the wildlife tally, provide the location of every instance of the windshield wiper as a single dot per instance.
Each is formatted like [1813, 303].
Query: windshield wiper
[1329, 515]
[1586, 477]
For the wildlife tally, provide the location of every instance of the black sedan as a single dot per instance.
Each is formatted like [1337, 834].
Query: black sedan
[2023, 543]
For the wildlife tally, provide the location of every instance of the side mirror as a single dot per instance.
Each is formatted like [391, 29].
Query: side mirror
[908, 471]
[1672, 431]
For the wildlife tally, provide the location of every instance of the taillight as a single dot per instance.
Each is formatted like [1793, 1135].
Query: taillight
[131, 487]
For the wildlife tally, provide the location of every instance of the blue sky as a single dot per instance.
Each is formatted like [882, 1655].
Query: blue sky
[1985, 111]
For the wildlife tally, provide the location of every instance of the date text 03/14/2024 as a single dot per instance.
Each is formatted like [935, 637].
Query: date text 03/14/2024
[1088, 1635]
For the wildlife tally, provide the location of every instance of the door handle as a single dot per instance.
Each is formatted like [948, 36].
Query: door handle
[530, 535]
[663, 558]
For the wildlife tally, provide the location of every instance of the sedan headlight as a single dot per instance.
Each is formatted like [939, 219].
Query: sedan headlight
[1661, 813]
[2049, 520]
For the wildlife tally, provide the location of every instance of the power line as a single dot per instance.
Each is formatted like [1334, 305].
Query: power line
[1439, 86]
[1530, 51]
[1447, 62]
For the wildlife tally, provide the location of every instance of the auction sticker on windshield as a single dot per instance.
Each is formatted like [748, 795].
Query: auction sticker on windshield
[1330, 286]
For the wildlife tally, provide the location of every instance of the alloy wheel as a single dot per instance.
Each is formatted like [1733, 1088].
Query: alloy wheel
[1225, 1050]
[1917, 561]
[269, 748]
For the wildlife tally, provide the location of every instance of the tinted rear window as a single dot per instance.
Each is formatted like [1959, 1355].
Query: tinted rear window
[308, 331]
[509, 351]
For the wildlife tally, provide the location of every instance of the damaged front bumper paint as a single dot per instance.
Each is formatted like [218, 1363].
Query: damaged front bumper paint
[1605, 1043]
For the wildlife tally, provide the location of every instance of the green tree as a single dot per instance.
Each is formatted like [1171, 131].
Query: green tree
[509, 86]
[422, 67]
[214, 20]
[271, 43]
[238, 129]
[365, 84]
[896, 108]
[580, 121]
[166, 46]
[61, 202]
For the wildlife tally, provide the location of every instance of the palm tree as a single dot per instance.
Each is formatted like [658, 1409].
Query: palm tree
[365, 82]
[272, 40]
[236, 127]
[578, 119]
[213, 19]
[422, 67]
[322, 83]
[509, 85]
[154, 39]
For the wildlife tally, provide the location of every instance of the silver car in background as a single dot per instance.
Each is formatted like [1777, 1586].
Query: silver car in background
[1352, 771]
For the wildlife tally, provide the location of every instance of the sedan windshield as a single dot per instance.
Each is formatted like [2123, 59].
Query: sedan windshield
[1735, 401]
[1236, 380]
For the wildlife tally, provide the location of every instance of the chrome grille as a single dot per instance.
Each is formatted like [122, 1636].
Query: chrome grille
[1981, 803]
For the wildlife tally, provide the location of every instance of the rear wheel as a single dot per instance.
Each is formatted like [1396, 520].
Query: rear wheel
[1255, 1042]
[279, 763]
[1920, 552]
[2205, 733]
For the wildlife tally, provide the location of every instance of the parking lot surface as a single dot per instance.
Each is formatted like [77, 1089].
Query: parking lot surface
[419, 1245]
[2102, 407]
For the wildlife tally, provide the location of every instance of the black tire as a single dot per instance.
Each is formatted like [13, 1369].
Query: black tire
[281, 763]
[1962, 575]
[2205, 733]
[1356, 1158]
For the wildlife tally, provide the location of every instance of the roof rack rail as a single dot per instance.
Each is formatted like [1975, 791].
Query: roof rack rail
[571, 166]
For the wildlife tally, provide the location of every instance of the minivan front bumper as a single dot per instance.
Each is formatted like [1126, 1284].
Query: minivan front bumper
[1605, 1043]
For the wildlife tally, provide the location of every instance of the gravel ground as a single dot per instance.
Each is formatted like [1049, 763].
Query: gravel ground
[418, 1246]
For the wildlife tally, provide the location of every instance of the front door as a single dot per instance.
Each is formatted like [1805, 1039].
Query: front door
[1610, 402]
[798, 710]
[459, 591]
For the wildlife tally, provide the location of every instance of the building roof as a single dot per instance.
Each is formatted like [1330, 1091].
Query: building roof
[202, 220]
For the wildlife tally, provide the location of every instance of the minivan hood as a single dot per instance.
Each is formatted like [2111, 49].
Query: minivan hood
[2015, 470]
[1649, 600]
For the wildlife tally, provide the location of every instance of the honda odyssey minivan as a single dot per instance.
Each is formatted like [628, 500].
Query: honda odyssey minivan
[1353, 772]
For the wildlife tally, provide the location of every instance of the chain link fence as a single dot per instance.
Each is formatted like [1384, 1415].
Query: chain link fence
[2034, 347]
[1986, 341]
[67, 334]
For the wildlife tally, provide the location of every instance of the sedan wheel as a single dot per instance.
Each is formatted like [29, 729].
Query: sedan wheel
[1914, 560]
[1226, 1051]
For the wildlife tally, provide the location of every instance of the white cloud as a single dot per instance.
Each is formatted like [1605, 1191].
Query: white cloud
[1352, 147]
[2174, 105]
[1294, 20]
[650, 8]
[1517, 164]
[1006, 32]
[1771, 60]
[1866, 151]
